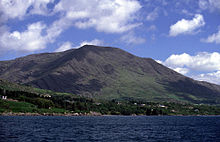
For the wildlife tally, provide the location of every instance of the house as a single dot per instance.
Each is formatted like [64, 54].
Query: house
[118, 103]
[45, 96]
[4, 97]
[98, 104]
[162, 106]
[196, 110]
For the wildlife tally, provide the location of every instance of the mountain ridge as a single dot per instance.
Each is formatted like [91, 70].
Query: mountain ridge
[107, 73]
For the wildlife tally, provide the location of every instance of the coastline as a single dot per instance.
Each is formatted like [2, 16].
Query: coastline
[81, 114]
[50, 114]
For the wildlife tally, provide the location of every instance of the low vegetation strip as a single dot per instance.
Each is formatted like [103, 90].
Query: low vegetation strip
[16, 101]
[83, 106]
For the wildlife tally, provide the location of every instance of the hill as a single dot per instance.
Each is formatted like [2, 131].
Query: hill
[107, 73]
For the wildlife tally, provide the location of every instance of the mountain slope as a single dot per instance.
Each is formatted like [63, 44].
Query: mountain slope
[107, 73]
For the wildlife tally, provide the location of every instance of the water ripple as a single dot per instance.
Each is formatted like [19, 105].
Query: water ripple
[109, 128]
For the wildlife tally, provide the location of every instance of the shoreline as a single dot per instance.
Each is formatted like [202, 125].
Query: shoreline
[80, 114]
[49, 114]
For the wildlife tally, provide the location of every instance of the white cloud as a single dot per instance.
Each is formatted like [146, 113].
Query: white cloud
[214, 38]
[186, 12]
[152, 28]
[203, 4]
[203, 66]
[130, 38]
[32, 39]
[183, 71]
[68, 45]
[209, 4]
[159, 61]
[152, 15]
[10, 9]
[187, 26]
[201, 62]
[178, 60]
[213, 77]
[54, 30]
[111, 16]
[40, 7]
[27, 41]
[65, 46]
[14, 9]
[92, 42]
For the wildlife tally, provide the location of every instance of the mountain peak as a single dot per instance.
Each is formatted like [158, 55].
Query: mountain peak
[97, 48]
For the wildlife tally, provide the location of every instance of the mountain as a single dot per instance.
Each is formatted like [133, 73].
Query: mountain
[107, 73]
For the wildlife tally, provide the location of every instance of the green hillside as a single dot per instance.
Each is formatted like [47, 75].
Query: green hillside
[24, 100]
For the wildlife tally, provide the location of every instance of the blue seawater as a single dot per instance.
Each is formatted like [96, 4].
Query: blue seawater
[109, 128]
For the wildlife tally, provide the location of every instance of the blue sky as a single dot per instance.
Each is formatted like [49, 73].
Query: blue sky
[181, 34]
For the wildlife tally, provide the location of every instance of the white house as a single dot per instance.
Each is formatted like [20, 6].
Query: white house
[4, 97]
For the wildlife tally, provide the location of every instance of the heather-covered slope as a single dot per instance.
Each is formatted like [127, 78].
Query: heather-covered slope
[107, 73]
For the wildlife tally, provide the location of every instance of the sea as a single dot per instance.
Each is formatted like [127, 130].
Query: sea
[109, 128]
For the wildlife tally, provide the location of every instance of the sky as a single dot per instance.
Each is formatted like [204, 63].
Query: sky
[183, 35]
